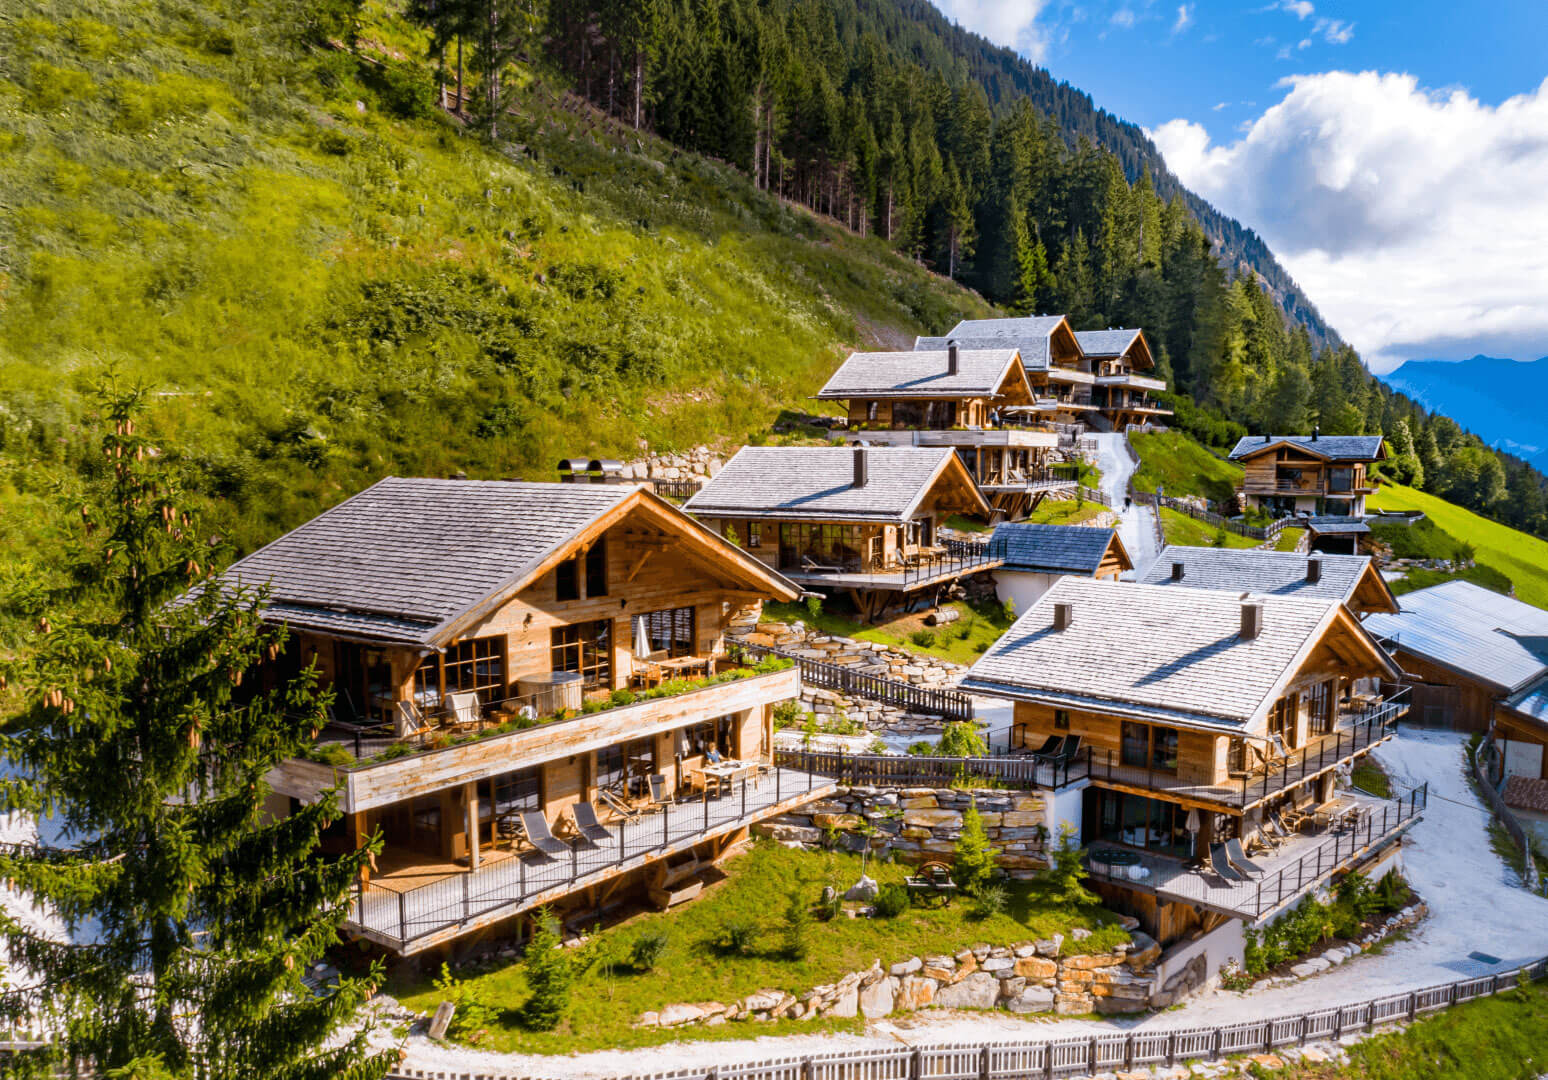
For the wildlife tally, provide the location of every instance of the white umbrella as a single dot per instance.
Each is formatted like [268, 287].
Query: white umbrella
[641, 638]
[1193, 825]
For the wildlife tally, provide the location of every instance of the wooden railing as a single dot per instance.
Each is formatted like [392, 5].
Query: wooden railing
[952, 705]
[1080, 1055]
[680, 490]
[907, 770]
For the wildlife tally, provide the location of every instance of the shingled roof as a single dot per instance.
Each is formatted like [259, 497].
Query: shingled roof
[817, 483]
[1027, 335]
[1106, 343]
[980, 373]
[1473, 631]
[1332, 447]
[1267, 573]
[404, 559]
[1032, 547]
[1170, 655]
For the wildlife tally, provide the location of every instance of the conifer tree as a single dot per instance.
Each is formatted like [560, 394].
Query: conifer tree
[139, 728]
[1034, 280]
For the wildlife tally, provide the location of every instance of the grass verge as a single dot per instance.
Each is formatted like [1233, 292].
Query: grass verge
[1182, 529]
[1182, 466]
[961, 642]
[1288, 539]
[1370, 777]
[1515, 555]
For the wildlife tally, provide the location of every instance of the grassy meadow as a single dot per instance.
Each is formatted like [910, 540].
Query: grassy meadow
[1181, 465]
[1520, 558]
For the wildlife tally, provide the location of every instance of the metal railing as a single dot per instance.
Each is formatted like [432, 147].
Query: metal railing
[953, 705]
[399, 918]
[1209, 517]
[1357, 731]
[679, 490]
[908, 770]
[1081, 1055]
[962, 557]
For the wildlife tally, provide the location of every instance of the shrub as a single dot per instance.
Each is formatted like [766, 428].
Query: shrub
[787, 714]
[1064, 881]
[925, 639]
[973, 867]
[737, 936]
[621, 696]
[1392, 893]
[921, 749]
[992, 899]
[829, 905]
[471, 1014]
[962, 739]
[798, 922]
[550, 973]
[648, 949]
[813, 607]
[891, 901]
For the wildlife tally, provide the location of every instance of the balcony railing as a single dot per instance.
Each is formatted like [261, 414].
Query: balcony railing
[399, 918]
[908, 770]
[1357, 731]
[952, 705]
[1040, 476]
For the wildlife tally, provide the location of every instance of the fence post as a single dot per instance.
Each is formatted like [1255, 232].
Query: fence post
[521, 874]
[983, 1063]
[666, 816]
[574, 863]
[402, 921]
[916, 1064]
[465, 878]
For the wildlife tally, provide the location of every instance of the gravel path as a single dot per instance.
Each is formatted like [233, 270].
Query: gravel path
[1475, 902]
[1136, 525]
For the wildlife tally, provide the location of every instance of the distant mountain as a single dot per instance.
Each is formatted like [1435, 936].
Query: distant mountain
[1501, 401]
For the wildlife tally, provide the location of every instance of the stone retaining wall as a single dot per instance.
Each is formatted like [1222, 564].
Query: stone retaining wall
[922, 823]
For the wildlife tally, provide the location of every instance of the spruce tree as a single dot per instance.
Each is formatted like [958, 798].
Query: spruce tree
[137, 724]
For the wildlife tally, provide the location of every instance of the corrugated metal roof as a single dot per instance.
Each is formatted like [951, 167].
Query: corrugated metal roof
[1029, 335]
[1050, 549]
[1337, 526]
[980, 372]
[1532, 700]
[1335, 447]
[406, 555]
[1106, 343]
[1472, 630]
[817, 482]
[1270, 573]
[1171, 654]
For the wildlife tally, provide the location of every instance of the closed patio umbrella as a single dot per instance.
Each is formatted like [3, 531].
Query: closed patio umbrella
[1193, 826]
[641, 638]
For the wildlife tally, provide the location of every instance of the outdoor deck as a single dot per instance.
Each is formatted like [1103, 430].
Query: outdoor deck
[961, 560]
[416, 904]
[1298, 865]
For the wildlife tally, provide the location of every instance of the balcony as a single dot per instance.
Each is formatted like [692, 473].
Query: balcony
[906, 571]
[1290, 872]
[373, 771]
[1138, 382]
[417, 902]
[1355, 732]
[1039, 478]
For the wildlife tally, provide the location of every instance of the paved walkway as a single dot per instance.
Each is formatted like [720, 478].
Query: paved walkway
[1475, 904]
[1137, 524]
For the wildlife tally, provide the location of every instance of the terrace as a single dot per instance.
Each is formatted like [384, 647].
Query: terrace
[1288, 873]
[912, 568]
[1355, 732]
[417, 902]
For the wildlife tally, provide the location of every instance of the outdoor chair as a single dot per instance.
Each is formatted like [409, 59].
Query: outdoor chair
[658, 792]
[408, 721]
[1221, 866]
[812, 566]
[1239, 857]
[1050, 746]
[535, 825]
[462, 709]
[1071, 748]
[586, 823]
[617, 804]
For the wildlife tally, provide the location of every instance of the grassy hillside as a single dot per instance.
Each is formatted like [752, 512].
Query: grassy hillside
[1182, 466]
[325, 281]
[1521, 558]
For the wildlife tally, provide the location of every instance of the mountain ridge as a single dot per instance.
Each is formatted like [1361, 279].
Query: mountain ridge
[1497, 398]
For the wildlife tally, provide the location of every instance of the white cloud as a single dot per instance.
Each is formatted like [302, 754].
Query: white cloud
[1012, 23]
[1184, 18]
[1123, 17]
[1334, 31]
[1217, 106]
[1414, 219]
[1301, 9]
[1283, 53]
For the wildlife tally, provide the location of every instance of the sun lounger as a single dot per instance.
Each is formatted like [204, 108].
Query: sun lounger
[462, 709]
[1050, 746]
[1071, 748]
[1220, 865]
[617, 804]
[586, 823]
[536, 827]
[1239, 857]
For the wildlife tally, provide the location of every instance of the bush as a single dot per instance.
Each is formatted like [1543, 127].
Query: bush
[992, 899]
[737, 936]
[1392, 893]
[813, 607]
[1064, 881]
[471, 1014]
[973, 867]
[798, 923]
[925, 639]
[648, 949]
[891, 901]
[962, 739]
[550, 974]
[787, 714]
[621, 696]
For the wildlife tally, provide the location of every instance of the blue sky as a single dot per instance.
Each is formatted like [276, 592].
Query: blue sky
[1394, 155]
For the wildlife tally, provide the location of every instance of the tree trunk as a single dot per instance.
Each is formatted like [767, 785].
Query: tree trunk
[639, 85]
[459, 74]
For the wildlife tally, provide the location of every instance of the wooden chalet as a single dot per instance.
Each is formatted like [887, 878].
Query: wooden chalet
[1033, 556]
[1202, 717]
[857, 520]
[1351, 579]
[1122, 390]
[1318, 476]
[503, 656]
[1476, 661]
[958, 398]
[1058, 373]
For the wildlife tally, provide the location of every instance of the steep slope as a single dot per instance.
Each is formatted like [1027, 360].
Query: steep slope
[1497, 399]
[324, 283]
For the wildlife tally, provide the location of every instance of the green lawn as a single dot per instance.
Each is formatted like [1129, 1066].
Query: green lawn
[1288, 539]
[1504, 1037]
[1065, 512]
[694, 969]
[1369, 776]
[1182, 529]
[1521, 558]
[1182, 466]
[962, 642]
[1486, 576]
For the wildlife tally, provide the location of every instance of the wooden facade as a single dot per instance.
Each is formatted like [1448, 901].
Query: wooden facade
[1289, 479]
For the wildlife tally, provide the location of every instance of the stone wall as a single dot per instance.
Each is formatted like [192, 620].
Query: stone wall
[699, 463]
[921, 823]
[1031, 977]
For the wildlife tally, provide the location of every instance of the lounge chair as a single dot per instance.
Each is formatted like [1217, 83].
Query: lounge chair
[658, 792]
[1220, 865]
[617, 804]
[1239, 857]
[535, 825]
[1050, 746]
[586, 823]
[1070, 749]
[462, 709]
[408, 721]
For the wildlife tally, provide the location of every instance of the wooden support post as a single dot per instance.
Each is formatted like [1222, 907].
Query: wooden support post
[470, 799]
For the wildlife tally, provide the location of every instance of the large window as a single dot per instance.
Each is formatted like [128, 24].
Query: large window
[671, 631]
[710, 735]
[596, 569]
[516, 791]
[930, 415]
[1282, 720]
[824, 545]
[590, 567]
[477, 665]
[624, 767]
[1140, 822]
[1146, 746]
[584, 647]
[1319, 708]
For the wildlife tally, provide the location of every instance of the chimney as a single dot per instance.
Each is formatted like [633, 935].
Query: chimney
[861, 463]
[1252, 619]
[951, 358]
[1064, 614]
[1267, 437]
[1315, 432]
[1178, 569]
[1314, 570]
